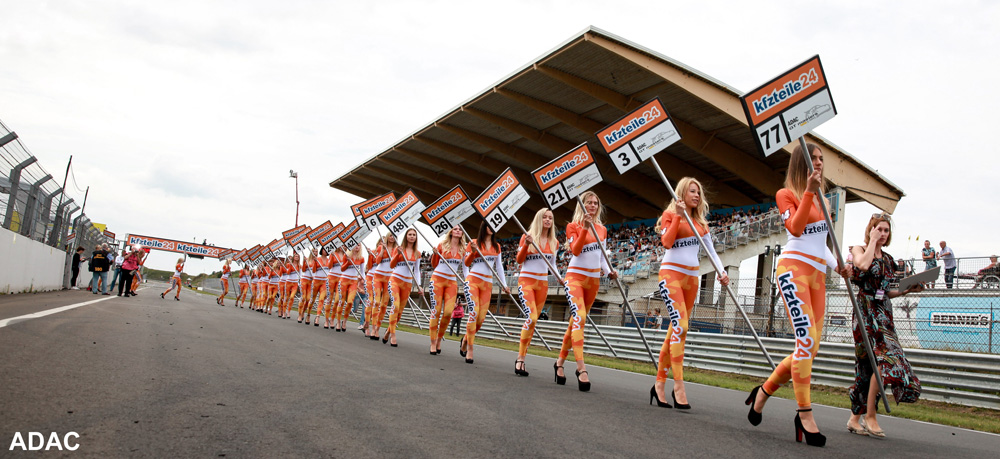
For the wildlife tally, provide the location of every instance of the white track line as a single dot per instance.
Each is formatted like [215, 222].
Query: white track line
[6, 322]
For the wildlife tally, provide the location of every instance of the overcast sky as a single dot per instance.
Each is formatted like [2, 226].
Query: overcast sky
[185, 117]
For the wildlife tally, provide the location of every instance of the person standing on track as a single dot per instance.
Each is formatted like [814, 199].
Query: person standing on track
[533, 279]
[801, 275]
[583, 277]
[405, 264]
[130, 263]
[353, 270]
[479, 284]
[380, 284]
[334, 277]
[175, 280]
[305, 286]
[244, 286]
[273, 284]
[292, 267]
[220, 300]
[444, 286]
[679, 282]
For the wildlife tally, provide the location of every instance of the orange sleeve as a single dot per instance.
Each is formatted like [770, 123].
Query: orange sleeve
[470, 253]
[522, 250]
[795, 214]
[435, 259]
[669, 224]
[348, 262]
[397, 256]
[576, 234]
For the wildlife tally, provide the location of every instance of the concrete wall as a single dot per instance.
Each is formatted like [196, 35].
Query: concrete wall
[29, 265]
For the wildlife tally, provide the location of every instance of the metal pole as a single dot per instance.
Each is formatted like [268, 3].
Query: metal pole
[502, 328]
[847, 282]
[621, 290]
[718, 269]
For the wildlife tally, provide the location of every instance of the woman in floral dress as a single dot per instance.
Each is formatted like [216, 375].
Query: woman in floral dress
[874, 270]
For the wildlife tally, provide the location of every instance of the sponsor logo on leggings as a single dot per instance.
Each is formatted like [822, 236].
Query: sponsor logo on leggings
[800, 320]
[672, 313]
[524, 307]
[434, 303]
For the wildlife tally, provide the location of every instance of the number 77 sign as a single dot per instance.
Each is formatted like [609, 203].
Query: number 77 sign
[565, 177]
[500, 200]
[789, 106]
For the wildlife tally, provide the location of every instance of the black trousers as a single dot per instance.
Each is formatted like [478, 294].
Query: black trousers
[456, 322]
[72, 282]
[126, 283]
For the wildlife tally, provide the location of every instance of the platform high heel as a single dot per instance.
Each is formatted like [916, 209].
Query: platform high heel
[652, 395]
[584, 386]
[812, 438]
[520, 371]
[753, 416]
[560, 380]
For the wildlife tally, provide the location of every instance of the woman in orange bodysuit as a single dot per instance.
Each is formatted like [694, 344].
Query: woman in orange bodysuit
[447, 261]
[175, 280]
[292, 268]
[305, 286]
[273, 284]
[353, 269]
[220, 300]
[335, 276]
[801, 276]
[679, 282]
[533, 279]
[319, 282]
[583, 278]
[405, 264]
[479, 284]
[244, 285]
[380, 284]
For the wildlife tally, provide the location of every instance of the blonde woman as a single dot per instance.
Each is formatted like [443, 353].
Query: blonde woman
[380, 284]
[353, 269]
[175, 280]
[533, 279]
[447, 261]
[801, 274]
[583, 278]
[306, 283]
[679, 282]
[220, 300]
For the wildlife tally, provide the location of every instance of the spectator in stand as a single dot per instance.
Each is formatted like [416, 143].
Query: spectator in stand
[950, 265]
[100, 265]
[929, 256]
[991, 270]
[78, 258]
[119, 259]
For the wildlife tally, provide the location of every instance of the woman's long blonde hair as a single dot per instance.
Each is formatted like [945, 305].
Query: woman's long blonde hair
[798, 171]
[446, 242]
[580, 211]
[698, 215]
[385, 242]
[536, 229]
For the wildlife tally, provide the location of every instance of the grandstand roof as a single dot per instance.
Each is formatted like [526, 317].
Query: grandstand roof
[561, 99]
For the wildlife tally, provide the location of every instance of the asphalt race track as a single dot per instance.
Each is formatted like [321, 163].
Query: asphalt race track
[145, 377]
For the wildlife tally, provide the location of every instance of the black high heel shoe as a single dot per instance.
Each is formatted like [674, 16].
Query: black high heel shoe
[584, 386]
[652, 395]
[468, 361]
[753, 416]
[385, 339]
[679, 406]
[812, 438]
[560, 380]
[461, 348]
[520, 371]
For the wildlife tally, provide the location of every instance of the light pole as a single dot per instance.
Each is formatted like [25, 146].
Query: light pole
[295, 175]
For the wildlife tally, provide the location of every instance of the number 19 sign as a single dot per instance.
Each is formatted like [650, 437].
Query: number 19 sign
[500, 200]
[565, 177]
[789, 106]
[638, 135]
[448, 211]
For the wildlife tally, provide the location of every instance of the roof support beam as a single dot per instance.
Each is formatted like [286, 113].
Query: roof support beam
[433, 177]
[750, 169]
[676, 168]
[407, 181]
[448, 167]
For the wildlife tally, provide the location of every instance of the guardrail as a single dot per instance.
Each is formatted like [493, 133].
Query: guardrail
[954, 377]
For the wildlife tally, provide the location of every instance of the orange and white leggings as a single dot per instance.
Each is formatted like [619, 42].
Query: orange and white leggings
[803, 290]
[379, 300]
[582, 291]
[318, 294]
[244, 287]
[444, 292]
[325, 309]
[477, 294]
[678, 291]
[348, 289]
[399, 295]
[532, 293]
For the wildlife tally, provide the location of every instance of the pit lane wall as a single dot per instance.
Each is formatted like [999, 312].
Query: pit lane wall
[28, 265]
